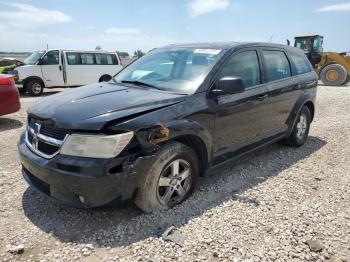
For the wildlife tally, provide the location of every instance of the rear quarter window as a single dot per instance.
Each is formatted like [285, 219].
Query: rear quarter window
[302, 65]
[106, 59]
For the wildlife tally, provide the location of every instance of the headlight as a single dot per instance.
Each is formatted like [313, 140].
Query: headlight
[96, 146]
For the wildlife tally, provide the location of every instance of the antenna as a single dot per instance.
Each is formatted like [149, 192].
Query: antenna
[47, 46]
[271, 39]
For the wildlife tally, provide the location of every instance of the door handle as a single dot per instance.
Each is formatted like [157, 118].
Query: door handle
[299, 86]
[60, 67]
[262, 97]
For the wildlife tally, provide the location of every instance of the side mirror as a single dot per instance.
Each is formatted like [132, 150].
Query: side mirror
[229, 85]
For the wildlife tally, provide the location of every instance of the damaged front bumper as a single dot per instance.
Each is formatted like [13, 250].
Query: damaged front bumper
[82, 182]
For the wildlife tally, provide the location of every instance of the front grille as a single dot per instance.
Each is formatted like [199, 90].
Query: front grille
[57, 133]
[47, 149]
[43, 138]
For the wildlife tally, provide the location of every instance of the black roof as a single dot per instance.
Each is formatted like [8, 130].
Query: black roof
[308, 36]
[229, 45]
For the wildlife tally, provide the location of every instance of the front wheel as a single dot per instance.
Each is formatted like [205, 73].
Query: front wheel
[170, 179]
[301, 128]
[35, 88]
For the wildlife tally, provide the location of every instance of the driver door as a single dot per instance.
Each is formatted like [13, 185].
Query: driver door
[243, 118]
[51, 69]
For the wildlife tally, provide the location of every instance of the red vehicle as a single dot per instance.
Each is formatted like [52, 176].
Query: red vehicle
[9, 96]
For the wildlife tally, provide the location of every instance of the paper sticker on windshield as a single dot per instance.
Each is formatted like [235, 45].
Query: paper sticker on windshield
[207, 51]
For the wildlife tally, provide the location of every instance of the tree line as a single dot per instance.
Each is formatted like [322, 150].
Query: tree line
[137, 53]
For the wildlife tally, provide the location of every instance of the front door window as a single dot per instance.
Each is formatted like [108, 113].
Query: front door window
[244, 65]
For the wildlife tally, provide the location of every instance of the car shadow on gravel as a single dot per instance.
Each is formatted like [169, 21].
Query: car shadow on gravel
[46, 93]
[123, 226]
[9, 124]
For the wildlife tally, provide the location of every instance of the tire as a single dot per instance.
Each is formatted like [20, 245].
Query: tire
[105, 78]
[347, 80]
[35, 88]
[333, 75]
[160, 186]
[301, 128]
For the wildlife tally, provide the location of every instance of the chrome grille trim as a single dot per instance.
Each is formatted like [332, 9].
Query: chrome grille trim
[37, 136]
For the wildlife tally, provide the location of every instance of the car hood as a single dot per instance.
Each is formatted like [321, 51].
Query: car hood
[93, 106]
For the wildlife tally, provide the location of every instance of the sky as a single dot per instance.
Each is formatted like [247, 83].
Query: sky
[135, 24]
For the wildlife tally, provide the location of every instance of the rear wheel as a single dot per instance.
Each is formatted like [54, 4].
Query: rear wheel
[170, 179]
[35, 87]
[301, 128]
[333, 75]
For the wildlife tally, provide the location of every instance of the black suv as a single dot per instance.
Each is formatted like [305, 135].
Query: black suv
[163, 121]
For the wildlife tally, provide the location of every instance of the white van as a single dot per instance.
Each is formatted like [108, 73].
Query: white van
[63, 68]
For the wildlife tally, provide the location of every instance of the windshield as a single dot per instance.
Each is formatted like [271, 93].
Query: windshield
[33, 58]
[317, 46]
[176, 70]
[304, 44]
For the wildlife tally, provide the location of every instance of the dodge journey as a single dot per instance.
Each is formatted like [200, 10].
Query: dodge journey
[157, 126]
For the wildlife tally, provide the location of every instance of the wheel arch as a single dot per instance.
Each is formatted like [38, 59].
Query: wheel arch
[305, 100]
[185, 131]
[311, 107]
[199, 147]
[29, 78]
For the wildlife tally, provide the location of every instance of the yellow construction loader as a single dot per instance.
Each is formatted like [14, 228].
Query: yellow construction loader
[333, 68]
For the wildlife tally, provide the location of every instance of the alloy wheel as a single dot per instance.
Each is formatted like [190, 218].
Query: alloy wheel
[174, 183]
[301, 126]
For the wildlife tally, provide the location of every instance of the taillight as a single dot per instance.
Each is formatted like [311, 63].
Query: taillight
[6, 80]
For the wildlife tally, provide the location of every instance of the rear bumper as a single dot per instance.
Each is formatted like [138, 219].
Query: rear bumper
[9, 98]
[67, 179]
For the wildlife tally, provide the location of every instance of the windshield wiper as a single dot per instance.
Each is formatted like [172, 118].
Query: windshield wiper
[139, 83]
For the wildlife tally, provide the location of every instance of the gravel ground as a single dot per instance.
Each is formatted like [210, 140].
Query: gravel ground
[277, 204]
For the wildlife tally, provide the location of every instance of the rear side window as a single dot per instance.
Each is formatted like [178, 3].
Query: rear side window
[106, 59]
[301, 63]
[244, 65]
[112, 59]
[73, 58]
[87, 59]
[277, 65]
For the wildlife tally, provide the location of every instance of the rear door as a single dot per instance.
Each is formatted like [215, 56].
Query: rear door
[284, 88]
[242, 118]
[51, 69]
